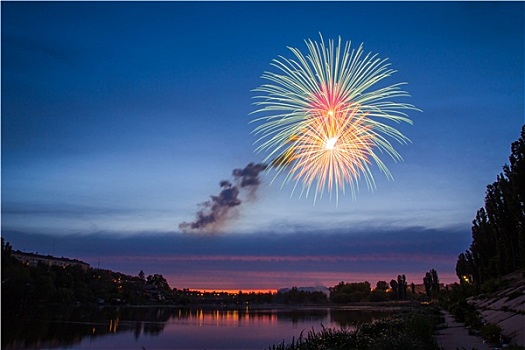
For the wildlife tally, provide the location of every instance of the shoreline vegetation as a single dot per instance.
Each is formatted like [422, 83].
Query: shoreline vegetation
[26, 283]
[30, 278]
[418, 325]
[411, 328]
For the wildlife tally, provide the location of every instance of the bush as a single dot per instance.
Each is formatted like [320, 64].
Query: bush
[491, 332]
[491, 286]
[467, 313]
[420, 326]
[409, 330]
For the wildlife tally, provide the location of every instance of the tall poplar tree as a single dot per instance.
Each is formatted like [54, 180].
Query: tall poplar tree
[498, 230]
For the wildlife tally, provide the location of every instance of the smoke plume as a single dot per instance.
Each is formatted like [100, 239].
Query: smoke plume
[215, 212]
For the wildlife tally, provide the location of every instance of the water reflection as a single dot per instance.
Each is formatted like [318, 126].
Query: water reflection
[70, 326]
[347, 318]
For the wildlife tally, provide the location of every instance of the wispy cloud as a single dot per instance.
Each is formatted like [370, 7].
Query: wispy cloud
[431, 258]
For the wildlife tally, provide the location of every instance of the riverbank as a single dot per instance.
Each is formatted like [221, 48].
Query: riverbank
[494, 310]
[410, 328]
[454, 335]
[505, 307]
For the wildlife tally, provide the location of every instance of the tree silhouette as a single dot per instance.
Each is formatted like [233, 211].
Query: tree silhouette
[498, 230]
[349, 292]
[435, 281]
[401, 287]
[431, 282]
[394, 285]
[427, 281]
[381, 285]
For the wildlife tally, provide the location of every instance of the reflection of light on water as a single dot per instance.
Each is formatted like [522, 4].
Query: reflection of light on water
[198, 328]
[112, 326]
[224, 318]
[200, 315]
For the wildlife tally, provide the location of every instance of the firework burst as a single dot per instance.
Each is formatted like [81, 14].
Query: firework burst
[325, 120]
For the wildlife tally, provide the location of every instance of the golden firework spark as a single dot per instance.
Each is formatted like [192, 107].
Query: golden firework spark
[324, 121]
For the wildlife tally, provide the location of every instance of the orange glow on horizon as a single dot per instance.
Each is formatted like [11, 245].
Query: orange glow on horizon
[235, 291]
[264, 282]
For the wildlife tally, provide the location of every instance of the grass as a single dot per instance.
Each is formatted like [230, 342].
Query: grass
[411, 329]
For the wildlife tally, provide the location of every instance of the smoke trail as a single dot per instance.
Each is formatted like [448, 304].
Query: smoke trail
[219, 209]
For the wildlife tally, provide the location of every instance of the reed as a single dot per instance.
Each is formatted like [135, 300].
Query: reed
[411, 329]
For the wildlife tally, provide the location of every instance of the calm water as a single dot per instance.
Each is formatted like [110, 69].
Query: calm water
[169, 327]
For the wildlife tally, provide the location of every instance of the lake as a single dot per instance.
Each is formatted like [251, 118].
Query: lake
[181, 328]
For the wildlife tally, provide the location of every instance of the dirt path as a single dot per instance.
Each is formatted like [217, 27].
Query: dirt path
[456, 336]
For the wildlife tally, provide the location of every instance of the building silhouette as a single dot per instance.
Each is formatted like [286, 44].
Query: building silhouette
[33, 259]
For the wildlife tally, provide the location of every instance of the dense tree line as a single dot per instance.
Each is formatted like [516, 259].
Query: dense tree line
[397, 289]
[296, 296]
[349, 292]
[25, 285]
[498, 230]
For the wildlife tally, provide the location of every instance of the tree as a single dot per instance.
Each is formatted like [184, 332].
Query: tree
[435, 280]
[401, 287]
[427, 281]
[349, 292]
[379, 293]
[141, 275]
[381, 285]
[7, 249]
[465, 268]
[159, 282]
[431, 282]
[498, 230]
[394, 285]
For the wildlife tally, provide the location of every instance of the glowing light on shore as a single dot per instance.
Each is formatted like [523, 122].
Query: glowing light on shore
[323, 121]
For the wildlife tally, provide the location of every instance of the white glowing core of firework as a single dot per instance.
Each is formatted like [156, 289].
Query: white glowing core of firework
[330, 143]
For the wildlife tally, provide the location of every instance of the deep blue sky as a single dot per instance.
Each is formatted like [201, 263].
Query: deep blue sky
[118, 118]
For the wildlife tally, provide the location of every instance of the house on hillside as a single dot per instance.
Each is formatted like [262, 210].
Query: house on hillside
[33, 259]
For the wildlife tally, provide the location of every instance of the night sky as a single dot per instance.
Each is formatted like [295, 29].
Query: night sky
[119, 118]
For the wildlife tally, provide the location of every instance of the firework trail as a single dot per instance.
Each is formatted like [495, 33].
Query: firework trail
[216, 212]
[323, 120]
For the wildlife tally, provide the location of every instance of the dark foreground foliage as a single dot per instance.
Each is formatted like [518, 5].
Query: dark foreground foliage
[412, 329]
